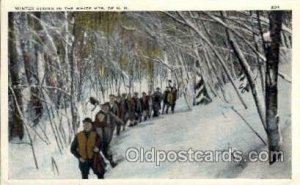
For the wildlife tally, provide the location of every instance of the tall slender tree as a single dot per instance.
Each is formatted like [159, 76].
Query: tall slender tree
[272, 55]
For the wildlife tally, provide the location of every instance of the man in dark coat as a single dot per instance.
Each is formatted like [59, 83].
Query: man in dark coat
[121, 113]
[150, 101]
[166, 104]
[169, 101]
[174, 98]
[124, 110]
[145, 105]
[113, 108]
[157, 98]
[86, 147]
[138, 108]
[112, 105]
[130, 109]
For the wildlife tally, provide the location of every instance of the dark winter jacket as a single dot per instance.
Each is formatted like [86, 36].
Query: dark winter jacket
[174, 96]
[124, 104]
[165, 96]
[145, 103]
[122, 110]
[113, 107]
[138, 105]
[130, 108]
[103, 126]
[157, 98]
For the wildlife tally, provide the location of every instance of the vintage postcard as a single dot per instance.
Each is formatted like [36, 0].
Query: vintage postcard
[149, 92]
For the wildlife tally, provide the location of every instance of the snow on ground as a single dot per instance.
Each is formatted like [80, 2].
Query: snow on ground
[204, 128]
[21, 163]
[211, 127]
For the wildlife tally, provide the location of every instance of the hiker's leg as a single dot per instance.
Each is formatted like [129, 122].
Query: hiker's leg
[173, 107]
[84, 169]
[109, 157]
[126, 118]
[149, 113]
[118, 129]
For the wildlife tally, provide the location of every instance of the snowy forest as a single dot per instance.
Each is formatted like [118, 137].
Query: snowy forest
[231, 71]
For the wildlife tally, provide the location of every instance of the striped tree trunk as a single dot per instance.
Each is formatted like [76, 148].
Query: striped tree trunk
[201, 94]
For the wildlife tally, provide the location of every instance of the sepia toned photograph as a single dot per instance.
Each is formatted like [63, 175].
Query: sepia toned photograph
[149, 94]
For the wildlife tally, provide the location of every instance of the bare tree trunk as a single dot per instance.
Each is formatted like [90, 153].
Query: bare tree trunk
[246, 68]
[73, 65]
[30, 56]
[272, 55]
[17, 75]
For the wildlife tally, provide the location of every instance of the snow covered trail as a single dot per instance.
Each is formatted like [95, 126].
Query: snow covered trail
[210, 127]
[204, 128]
[200, 129]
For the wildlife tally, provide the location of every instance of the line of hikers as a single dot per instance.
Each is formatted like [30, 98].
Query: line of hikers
[92, 145]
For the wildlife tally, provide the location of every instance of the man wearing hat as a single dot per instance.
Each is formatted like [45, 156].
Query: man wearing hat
[85, 146]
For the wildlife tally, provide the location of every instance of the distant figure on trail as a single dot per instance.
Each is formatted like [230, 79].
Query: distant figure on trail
[157, 98]
[112, 105]
[113, 108]
[170, 101]
[138, 108]
[124, 110]
[174, 93]
[94, 102]
[121, 113]
[145, 106]
[104, 124]
[166, 100]
[150, 102]
[131, 110]
[86, 147]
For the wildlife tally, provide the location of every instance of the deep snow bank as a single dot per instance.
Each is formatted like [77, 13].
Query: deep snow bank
[211, 127]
